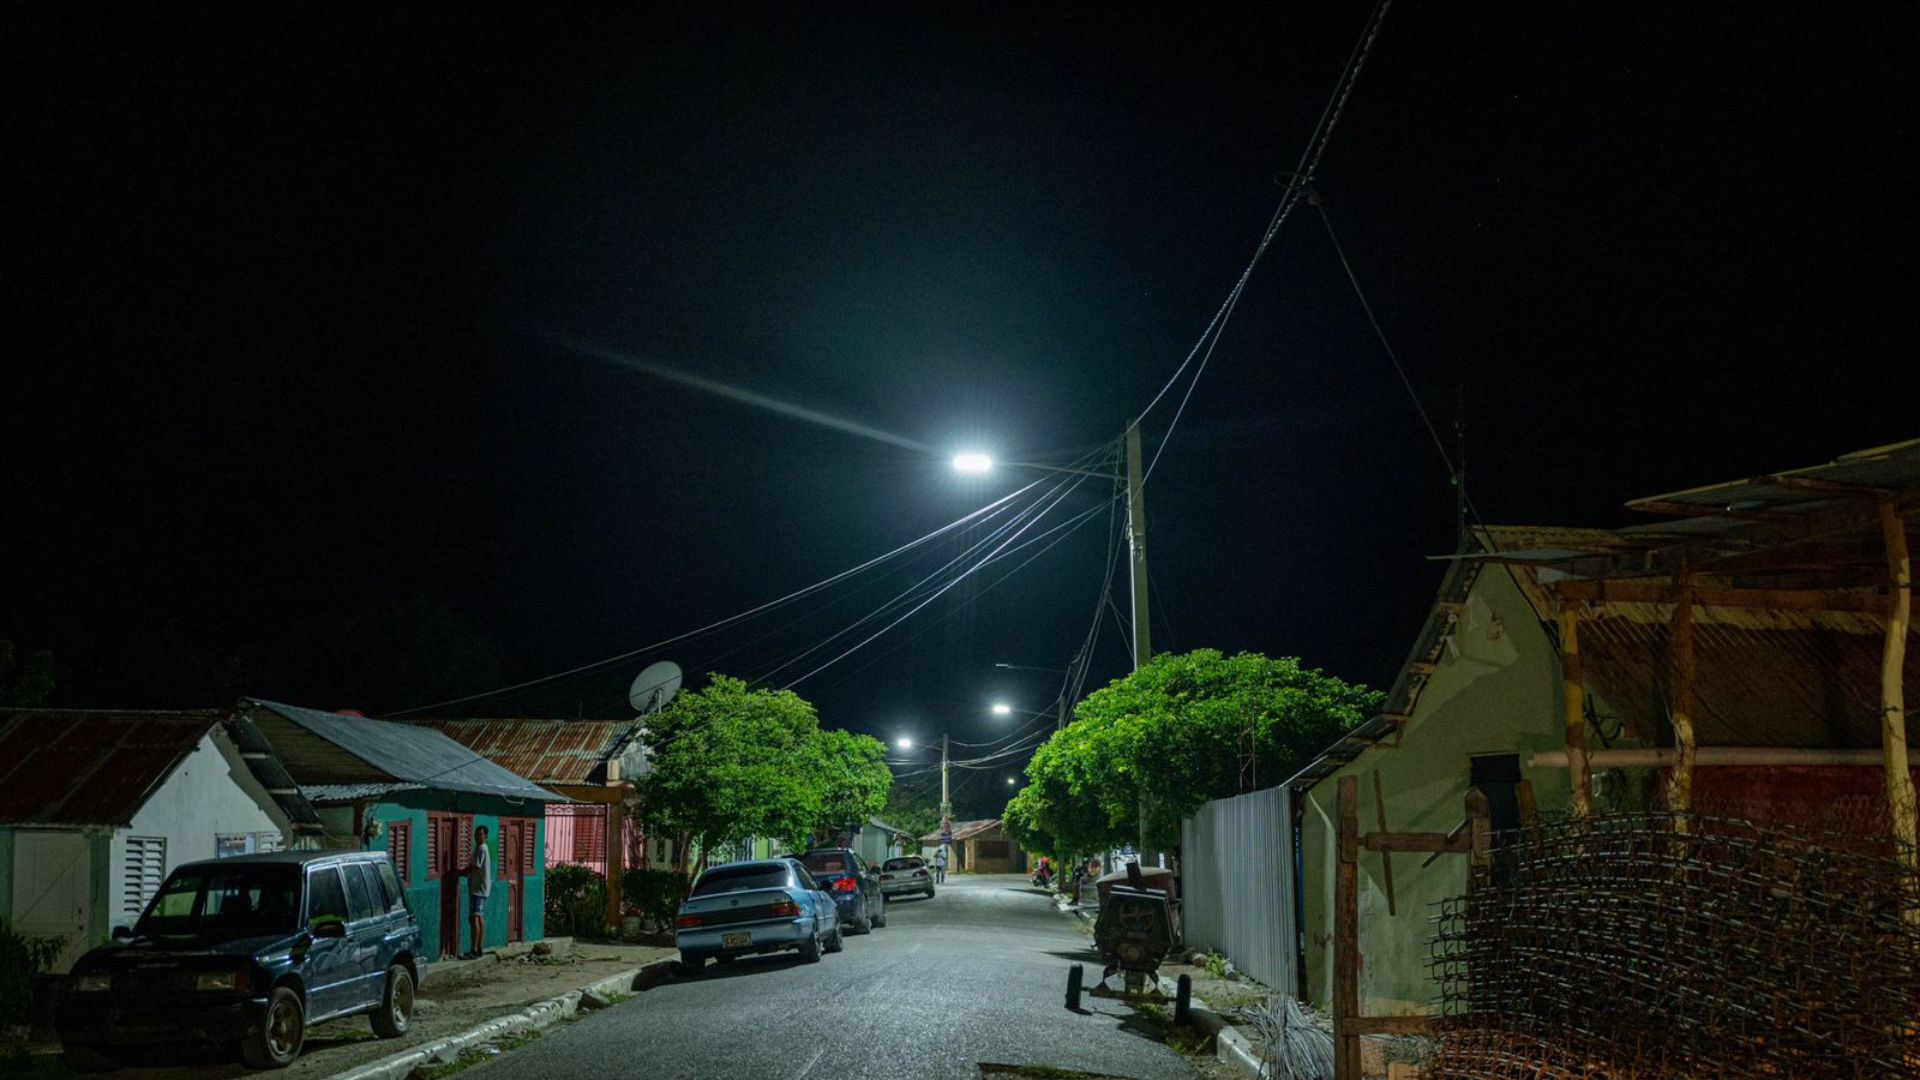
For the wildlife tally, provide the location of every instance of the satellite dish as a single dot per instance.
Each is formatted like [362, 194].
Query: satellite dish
[654, 687]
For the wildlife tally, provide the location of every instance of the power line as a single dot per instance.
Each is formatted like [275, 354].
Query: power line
[731, 619]
[1297, 182]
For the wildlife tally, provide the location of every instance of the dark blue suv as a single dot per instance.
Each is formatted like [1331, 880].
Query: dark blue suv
[250, 951]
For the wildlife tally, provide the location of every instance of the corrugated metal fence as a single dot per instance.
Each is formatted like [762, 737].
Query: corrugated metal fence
[1236, 869]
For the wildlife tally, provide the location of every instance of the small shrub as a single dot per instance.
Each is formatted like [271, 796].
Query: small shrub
[576, 901]
[1216, 965]
[21, 958]
[655, 894]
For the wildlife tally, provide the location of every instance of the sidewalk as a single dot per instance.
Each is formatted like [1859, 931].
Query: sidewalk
[458, 995]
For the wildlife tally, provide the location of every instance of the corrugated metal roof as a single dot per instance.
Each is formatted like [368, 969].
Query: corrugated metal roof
[327, 748]
[964, 829]
[1886, 468]
[323, 794]
[90, 767]
[545, 751]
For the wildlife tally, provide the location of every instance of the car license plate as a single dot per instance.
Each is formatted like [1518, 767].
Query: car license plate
[739, 939]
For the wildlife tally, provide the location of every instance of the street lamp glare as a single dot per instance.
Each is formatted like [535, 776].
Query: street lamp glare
[1009, 779]
[903, 743]
[972, 463]
[1001, 708]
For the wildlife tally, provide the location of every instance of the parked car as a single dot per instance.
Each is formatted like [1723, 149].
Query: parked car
[854, 885]
[906, 874]
[767, 905]
[250, 951]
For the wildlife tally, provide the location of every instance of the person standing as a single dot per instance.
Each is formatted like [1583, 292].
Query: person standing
[940, 865]
[479, 887]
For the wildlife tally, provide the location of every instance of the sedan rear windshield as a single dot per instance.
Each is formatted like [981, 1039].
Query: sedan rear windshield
[908, 863]
[731, 879]
[827, 862]
[226, 901]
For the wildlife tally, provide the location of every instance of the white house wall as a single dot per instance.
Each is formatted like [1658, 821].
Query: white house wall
[211, 792]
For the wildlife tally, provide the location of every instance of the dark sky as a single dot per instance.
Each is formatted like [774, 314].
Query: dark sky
[283, 282]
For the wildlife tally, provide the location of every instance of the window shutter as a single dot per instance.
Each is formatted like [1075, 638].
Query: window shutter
[400, 847]
[528, 864]
[433, 845]
[466, 841]
[146, 869]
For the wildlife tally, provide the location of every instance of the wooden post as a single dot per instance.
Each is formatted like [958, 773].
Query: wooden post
[1346, 935]
[616, 854]
[1574, 702]
[1386, 857]
[1893, 705]
[1680, 779]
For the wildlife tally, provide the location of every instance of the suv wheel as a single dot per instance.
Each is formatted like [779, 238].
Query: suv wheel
[395, 1014]
[281, 1035]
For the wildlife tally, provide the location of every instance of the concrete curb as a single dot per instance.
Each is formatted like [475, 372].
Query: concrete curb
[533, 1018]
[1229, 1044]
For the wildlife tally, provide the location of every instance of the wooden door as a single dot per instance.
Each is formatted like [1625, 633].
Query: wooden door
[516, 858]
[446, 865]
[53, 890]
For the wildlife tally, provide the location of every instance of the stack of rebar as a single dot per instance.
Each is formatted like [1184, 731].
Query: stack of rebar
[1661, 945]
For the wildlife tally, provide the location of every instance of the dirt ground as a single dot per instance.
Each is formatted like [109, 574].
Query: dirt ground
[451, 1000]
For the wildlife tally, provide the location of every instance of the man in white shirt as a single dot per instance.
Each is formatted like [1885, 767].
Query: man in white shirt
[479, 887]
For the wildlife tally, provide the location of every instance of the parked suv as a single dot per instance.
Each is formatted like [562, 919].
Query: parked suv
[853, 884]
[250, 951]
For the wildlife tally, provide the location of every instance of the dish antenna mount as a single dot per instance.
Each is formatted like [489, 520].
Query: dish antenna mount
[654, 687]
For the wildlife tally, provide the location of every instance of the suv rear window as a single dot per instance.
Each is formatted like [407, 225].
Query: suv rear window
[731, 879]
[827, 862]
[910, 862]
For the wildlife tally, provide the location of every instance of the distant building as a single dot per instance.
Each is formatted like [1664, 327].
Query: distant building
[979, 847]
[97, 805]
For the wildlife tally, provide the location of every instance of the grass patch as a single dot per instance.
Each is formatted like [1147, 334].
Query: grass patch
[469, 1058]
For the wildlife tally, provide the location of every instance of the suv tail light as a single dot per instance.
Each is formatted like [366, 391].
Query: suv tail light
[686, 921]
[846, 884]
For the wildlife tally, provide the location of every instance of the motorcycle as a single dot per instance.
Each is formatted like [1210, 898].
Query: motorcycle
[1043, 877]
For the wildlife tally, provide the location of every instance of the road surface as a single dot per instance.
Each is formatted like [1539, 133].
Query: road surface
[975, 975]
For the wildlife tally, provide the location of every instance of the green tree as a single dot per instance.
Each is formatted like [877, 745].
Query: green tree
[729, 764]
[1149, 749]
[914, 812]
[853, 776]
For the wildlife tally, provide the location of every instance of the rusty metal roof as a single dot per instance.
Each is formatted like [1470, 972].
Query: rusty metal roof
[90, 767]
[544, 751]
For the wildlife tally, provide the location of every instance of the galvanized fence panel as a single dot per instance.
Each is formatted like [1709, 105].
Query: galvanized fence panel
[1236, 893]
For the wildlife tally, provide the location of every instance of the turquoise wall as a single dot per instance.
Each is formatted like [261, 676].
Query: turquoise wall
[423, 895]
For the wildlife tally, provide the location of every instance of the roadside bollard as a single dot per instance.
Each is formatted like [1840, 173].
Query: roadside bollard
[1076, 975]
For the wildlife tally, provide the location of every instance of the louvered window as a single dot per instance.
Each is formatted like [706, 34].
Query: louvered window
[590, 839]
[146, 869]
[400, 848]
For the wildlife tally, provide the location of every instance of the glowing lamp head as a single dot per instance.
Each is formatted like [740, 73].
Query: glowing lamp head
[1009, 779]
[972, 463]
[1001, 708]
[903, 743]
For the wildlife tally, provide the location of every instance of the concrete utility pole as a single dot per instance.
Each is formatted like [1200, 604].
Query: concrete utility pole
[1137, 545]
[946, 805]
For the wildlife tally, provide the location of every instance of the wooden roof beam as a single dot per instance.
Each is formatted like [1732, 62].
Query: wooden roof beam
[1631, 592]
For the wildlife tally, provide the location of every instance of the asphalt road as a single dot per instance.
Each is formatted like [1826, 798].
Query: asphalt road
[975, 975]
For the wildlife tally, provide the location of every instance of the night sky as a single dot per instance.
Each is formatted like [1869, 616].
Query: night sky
[285, 397]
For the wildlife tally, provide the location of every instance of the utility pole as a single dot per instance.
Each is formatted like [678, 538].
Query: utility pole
[1137, 545]
[1062, 724]
[946, 806]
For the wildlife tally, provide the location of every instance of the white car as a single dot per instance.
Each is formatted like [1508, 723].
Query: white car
[906, 874]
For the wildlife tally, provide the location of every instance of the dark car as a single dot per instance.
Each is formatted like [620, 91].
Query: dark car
[249, 952]
[853, 884]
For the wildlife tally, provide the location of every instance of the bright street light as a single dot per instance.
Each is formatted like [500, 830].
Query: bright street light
[1009, 779]
[1001, 708]
[903, 743]
[972, 463]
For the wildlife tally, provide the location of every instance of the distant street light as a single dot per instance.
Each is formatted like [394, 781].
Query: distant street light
[1009, 779]
[972, 463]
[903, 743]
[1001, 708]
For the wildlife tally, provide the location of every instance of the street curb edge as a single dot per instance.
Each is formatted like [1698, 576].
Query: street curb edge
[534, 1017]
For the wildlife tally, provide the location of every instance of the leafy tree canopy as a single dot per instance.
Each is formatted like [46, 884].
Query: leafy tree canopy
[1149, 749]
[730, 763]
